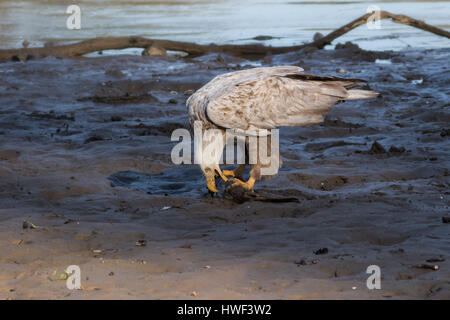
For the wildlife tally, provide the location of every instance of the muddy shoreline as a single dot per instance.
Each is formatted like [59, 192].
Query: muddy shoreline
[372, 183]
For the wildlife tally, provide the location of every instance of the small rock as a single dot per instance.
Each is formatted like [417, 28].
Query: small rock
[377, 148]
[220, 59]
[141, 243]
[347, 45]
[445, 132]
[394, 149]
[154, 50]
[28, 225]
[116, 118]
[321, 251]
[317, 36]
[301, 262]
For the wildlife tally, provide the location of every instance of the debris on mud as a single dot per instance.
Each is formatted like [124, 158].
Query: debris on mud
[426, 266]
[431, 260]
[28, 225]
[93, 139]
[321, 251]
[51, 115]
[394, 149]
[141, 243]
[377, 148]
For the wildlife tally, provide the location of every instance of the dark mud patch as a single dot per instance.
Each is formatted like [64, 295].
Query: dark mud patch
[322, 183]
[379, 151]
[352, 51]
[179, 181]
[122, 92]
[239, 194]
[93, 138]
[123, 99]
[340, 123]
[51, 115]
[9, 154]
[163, 129]
[320, 146]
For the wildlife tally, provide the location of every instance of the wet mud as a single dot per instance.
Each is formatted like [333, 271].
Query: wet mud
[85, 157]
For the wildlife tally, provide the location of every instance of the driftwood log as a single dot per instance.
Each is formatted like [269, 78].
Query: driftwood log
[192, 49]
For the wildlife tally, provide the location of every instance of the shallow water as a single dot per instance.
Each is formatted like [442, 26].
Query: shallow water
[231, 21]
[182, 181]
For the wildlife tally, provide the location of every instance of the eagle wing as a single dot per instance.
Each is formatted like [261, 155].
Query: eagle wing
[267, 98]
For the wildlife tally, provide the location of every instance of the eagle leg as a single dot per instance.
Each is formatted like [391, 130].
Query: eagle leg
[210, 180]
[237, 173]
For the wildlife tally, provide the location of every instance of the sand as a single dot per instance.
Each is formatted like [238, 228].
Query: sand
[85, 158]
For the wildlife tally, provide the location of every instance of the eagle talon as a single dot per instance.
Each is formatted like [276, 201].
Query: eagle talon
[211, 185]
[237, 173]
[248, 185]
[228, 173]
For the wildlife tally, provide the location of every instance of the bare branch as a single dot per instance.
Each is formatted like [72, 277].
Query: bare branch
[108, 43]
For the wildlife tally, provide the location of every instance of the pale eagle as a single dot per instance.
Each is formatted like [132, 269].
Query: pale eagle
[263, 98]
